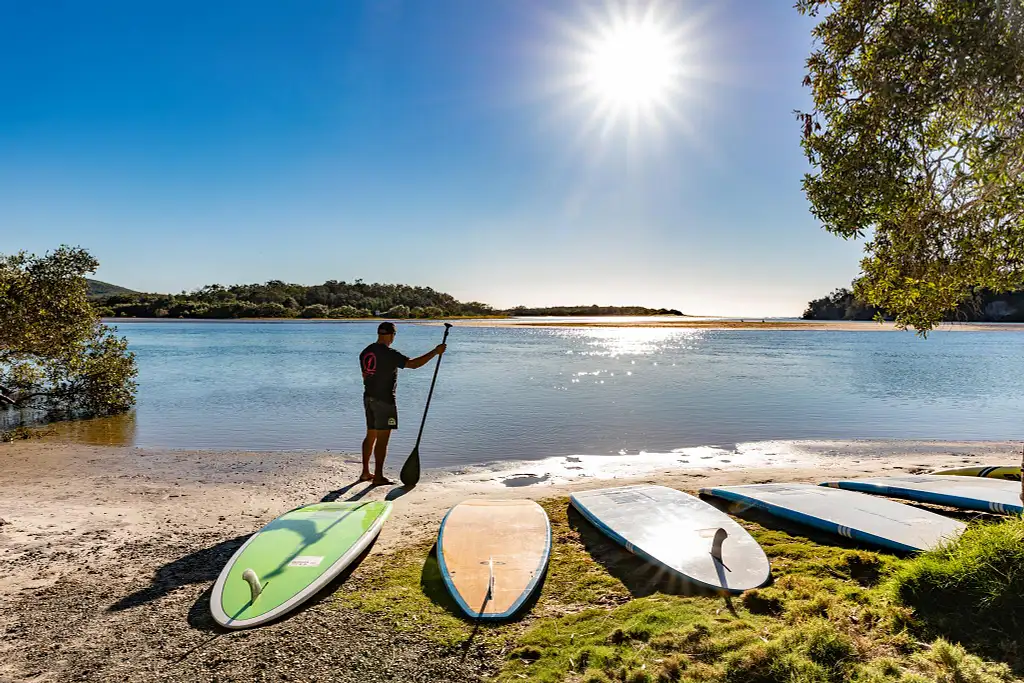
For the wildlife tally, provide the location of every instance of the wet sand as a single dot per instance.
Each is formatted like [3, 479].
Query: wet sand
[107, 554]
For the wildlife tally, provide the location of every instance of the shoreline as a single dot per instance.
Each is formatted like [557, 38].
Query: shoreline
[124, 543]
[705, 324]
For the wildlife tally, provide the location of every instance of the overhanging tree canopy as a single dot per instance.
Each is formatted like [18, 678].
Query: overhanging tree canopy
[917, 140]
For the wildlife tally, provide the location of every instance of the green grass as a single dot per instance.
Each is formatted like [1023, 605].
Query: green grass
[833, 613]
[971, 591]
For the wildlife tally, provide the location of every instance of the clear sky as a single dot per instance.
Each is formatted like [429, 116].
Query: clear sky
[498, 150]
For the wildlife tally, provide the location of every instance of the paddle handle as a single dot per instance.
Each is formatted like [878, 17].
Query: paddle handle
[423, 422]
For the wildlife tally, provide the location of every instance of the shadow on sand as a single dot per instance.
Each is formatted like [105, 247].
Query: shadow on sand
[200, 618]
[198, 567]
[335, 496]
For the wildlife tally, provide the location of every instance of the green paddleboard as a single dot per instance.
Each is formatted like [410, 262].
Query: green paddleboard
[286, 562]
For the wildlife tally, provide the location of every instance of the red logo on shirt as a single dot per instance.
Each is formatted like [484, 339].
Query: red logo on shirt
[370, 363]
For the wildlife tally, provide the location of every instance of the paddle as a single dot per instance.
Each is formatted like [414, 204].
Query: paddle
[410, 474]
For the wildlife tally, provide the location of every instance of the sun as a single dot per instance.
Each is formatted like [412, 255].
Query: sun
[631, 75]
[632, 64]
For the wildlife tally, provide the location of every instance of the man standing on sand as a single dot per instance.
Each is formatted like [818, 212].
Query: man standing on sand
[380, 364]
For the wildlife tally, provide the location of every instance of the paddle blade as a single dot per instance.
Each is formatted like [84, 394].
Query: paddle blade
[410, 474]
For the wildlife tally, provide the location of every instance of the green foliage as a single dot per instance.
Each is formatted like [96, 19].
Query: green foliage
[314, 311]
[971, 591]
[274, 309]
[982, 305]
[841, 304]
[277, 299]
[944, 662]
[917, 138]
[332, 299]
[591, 310]
[54, 352]
[349, 312]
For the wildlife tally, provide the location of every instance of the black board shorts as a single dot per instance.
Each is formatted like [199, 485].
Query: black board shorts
[380, 414]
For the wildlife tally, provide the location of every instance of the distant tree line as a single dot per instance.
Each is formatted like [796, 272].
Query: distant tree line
[333, 299]
[983, 305]
[591, 310]
[276, 299]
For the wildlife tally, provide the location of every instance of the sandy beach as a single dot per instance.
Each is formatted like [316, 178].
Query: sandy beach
[107, 554]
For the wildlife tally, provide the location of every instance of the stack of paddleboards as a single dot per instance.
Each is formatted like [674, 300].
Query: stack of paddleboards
[289, 560]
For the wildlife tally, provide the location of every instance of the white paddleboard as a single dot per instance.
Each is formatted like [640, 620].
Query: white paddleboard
[967, 493]
[676, 530]
[871, 520]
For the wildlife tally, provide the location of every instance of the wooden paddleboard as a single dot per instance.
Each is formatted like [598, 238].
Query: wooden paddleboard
[967, 493]
[868, 519]
[492, 555]
[991, 472]
[286, 562]
[672, 529]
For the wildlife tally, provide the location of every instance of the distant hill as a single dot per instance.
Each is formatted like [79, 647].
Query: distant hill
[98, 290]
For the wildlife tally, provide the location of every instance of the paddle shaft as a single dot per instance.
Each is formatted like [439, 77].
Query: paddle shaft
[447, 327]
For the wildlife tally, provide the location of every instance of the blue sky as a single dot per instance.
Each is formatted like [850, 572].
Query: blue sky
[445, 143]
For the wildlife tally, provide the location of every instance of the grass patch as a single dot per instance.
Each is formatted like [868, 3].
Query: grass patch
[832, 614]
[971, 591]
[406, 589]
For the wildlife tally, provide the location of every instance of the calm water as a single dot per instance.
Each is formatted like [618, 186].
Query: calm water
[529, 393]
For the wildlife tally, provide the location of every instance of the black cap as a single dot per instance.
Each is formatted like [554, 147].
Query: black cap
[386, 328]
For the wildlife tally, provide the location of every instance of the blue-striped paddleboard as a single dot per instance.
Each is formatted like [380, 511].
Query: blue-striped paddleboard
[672, 529]
[870, 520]
[967, 493]
[493, 554]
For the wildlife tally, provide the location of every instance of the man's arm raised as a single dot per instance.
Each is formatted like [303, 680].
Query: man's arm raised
[419, 362]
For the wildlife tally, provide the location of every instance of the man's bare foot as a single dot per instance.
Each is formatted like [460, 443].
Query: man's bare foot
[365, 476]
[382, 481]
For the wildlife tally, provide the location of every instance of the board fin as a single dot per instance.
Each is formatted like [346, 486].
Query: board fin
[255, 587]
[716, 543]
